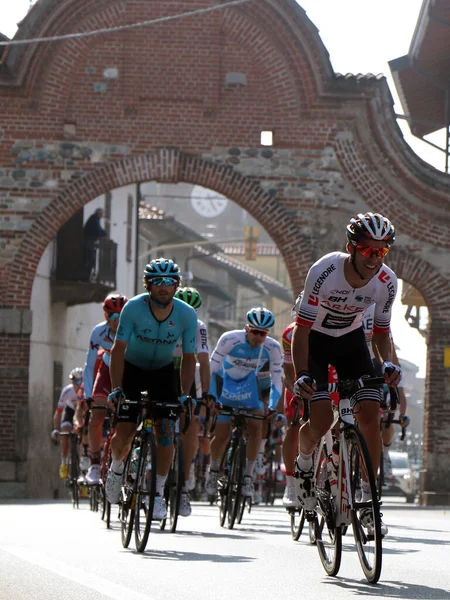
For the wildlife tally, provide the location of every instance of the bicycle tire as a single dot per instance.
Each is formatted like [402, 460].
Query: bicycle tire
[145, 491]
[235, 482]
[380, 476]
[370, 555]
[127, 504]
[297, 518]
[328, 536]
[223, 484]
[178, 482]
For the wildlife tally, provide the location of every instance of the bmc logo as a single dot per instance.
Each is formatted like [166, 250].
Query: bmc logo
[313, 300]
[384, 277]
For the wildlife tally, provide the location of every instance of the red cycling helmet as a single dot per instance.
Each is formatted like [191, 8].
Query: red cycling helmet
[114, 303]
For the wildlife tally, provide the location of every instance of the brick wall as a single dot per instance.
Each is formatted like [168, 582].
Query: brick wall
[85, 116]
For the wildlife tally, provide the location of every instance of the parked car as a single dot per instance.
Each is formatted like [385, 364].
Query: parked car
[402, 482]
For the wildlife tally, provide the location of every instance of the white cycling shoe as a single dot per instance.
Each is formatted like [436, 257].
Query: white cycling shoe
[248, 488]
[290, 499]
[159, 508]
[211, 482]
[93, 475]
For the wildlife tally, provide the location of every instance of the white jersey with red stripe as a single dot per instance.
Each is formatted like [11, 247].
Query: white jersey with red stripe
[330, 305]
[102, 336]
[68, 397]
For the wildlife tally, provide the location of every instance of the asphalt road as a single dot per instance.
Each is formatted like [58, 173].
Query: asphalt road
[50, 551]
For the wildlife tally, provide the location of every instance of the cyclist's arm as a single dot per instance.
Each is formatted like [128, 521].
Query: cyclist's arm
[224, 346]
[276, 373]
[57, 418]
[91, 357]
[401, 392]
[381, 339]
[300, 348]
[289, 376]
[117, 362]
[205, 374]
[187, 372]
[189, 335]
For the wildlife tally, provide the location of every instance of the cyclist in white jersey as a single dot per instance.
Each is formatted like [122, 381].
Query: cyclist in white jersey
[193, 298]
[97, 385]
[238, 358]
[338, 289]
[63, 417]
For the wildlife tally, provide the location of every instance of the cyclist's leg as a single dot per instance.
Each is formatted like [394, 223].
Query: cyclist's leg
[133, 382]
[66, 427]
[290, 450]
[100, 391]
[222, 434]
[354, 362]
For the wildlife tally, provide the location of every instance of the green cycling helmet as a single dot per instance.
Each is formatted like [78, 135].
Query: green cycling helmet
[189, 295]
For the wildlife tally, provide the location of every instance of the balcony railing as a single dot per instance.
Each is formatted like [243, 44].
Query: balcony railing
[83, 271]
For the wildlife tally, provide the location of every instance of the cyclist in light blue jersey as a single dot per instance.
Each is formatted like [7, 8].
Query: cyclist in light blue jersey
[142, 360]
[235, 364]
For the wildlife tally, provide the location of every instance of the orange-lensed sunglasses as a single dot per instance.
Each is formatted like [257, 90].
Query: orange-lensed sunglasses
[369, 250]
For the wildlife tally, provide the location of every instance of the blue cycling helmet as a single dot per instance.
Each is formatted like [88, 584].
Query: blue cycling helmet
[162, 267]
[260, 317]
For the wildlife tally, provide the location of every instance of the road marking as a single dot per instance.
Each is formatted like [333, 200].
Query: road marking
[114, 591]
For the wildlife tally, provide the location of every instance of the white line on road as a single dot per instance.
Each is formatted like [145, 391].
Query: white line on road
[104, 586]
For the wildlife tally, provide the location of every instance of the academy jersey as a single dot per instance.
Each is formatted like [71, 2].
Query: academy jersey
[235, 356]
[102, 337]
[151, 343]
[331, 306]
[201, 344]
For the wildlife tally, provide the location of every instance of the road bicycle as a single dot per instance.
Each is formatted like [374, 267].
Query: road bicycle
[230, 498]
[139, 479]
[338, 485]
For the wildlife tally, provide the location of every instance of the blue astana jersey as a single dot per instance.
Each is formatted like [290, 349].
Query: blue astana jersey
[151, 343]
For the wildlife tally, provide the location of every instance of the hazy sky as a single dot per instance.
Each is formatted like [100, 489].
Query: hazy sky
[361, 37]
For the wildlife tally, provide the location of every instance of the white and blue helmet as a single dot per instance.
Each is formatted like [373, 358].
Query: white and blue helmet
[162, 267]
[261, 318]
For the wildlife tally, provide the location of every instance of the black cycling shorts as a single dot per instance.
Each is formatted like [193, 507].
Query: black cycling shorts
[159, 384]
[348, 354]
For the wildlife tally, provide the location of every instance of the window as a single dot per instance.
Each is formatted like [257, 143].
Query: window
[266, 138]
[57, 381]
[128, 246]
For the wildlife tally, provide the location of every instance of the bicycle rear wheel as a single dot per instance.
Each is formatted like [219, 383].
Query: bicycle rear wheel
[297, 517]
[234, 496]
[328, 537]
[366, 518]
[175, 480]
[380, 476]
[145, 492]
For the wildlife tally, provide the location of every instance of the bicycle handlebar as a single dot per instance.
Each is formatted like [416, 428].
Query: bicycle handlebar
[234, 412]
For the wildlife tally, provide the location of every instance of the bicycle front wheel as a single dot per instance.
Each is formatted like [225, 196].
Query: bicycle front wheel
[297, 517]
[235, 483]
[145, 493]
[365, 515]
[127, 503]
[328, 537]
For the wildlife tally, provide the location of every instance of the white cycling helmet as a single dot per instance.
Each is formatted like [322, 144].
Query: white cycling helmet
[261, 318]
[76, 373]
[370, 226]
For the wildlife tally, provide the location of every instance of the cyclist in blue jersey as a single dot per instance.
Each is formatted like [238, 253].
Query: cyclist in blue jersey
[142, 360]
[235, 364]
